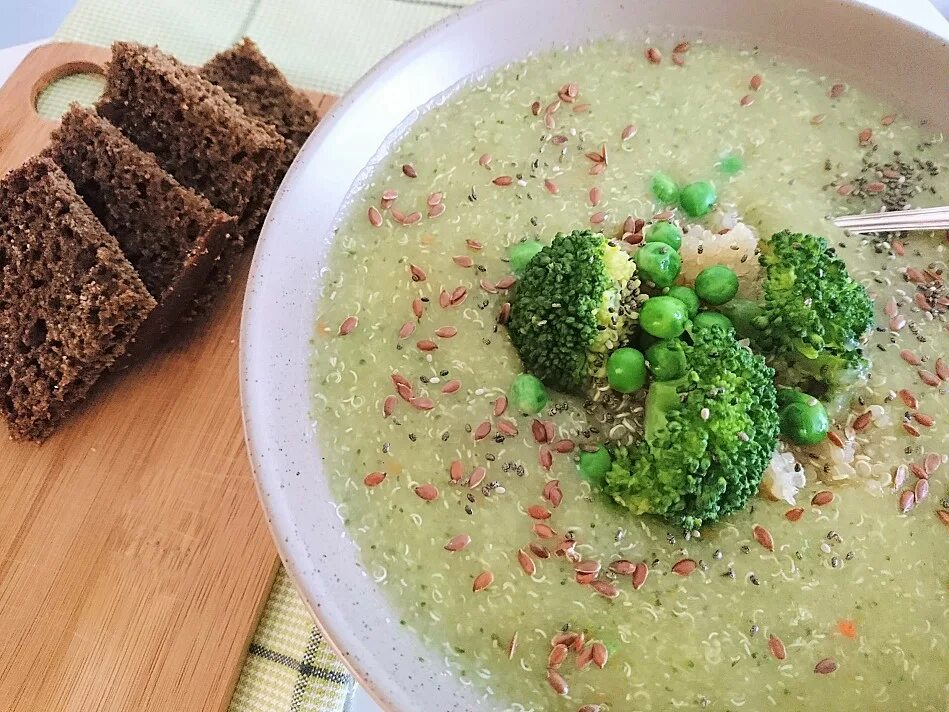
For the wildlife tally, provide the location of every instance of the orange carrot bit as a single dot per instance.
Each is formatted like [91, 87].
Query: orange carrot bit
[847, 628]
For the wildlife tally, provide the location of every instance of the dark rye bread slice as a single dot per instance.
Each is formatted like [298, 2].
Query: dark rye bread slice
[171, 235]
[196, 130]
[262, 91]
[70, 302]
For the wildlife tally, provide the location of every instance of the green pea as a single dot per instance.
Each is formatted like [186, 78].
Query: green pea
[716, 284]
[744, 314]
[804, 423]
[732, 164]
[786, 396]
[664, 317]
[594, 466]
[687, 296]
[664, 188]
[706, 319]
[666, 360]
[523, 252]
[658, 263]
[626, 370]
[665, 232]
[697, 198]
[528, 394]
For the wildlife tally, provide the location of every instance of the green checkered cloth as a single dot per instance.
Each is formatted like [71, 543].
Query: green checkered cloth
[324, 45]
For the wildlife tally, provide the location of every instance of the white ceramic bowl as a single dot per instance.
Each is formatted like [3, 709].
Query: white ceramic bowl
[862, 47]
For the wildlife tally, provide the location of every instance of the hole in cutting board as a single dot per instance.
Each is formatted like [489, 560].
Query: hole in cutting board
[84, 86]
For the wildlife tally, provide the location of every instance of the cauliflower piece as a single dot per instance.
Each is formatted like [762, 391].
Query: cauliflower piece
[784, 477]
[737, 248]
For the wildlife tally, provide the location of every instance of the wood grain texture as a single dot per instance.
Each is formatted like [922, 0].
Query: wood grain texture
[134, 556]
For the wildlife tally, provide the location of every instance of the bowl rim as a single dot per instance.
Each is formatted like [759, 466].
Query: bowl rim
[254, 356]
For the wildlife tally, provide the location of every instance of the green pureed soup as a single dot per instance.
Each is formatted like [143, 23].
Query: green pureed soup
[528, 582]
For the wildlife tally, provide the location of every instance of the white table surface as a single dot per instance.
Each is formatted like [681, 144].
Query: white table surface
[27, 23]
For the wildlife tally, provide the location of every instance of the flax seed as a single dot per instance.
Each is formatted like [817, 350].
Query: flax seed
[557, 683]
[763, 537]
[536, 511]
[557, 654]
[544, 457]
[458, 542]
[942, 369]
[482, 581]
[640, 574]
[684, 567]
[348, 325]
[907, 500]
[931, 462]
[908, 397]
[793, 515]
[428, 492]
[599, 654]
[544, 531]
[605, 589]
[374, 479]
[539, 550]
[862, 421]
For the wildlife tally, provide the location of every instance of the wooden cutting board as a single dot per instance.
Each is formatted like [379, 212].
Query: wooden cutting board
[134, 556]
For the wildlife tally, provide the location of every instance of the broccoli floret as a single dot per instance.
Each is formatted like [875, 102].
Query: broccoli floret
[814, 315]
[574, 303]
[709, 436]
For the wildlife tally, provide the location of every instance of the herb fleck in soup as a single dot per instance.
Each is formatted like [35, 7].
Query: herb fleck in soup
[522, 576]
